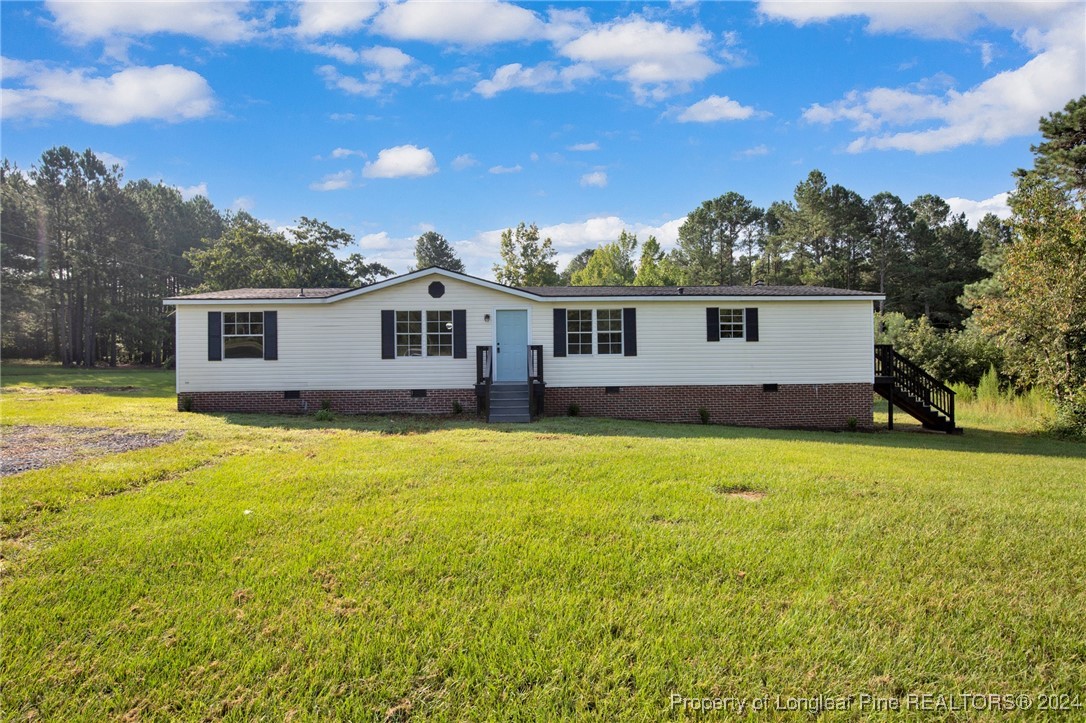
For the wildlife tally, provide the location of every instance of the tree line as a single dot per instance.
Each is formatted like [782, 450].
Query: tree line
[86, 259]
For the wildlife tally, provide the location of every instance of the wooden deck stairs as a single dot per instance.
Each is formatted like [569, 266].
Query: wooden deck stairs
[905, 385]
[509, 403]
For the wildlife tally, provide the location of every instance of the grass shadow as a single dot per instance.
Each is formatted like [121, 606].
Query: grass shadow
[904, 437]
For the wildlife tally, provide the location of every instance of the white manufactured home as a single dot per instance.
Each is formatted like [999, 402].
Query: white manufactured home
[435, 341]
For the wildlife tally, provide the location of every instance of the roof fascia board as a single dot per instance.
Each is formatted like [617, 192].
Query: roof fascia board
[719, 299]
[540, 299]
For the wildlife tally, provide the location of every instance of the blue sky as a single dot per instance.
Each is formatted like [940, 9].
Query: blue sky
[389, 119]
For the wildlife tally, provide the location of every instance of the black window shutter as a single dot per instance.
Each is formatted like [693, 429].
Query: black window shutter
[752, 324]
[271, 335]
[559, 332]
[460, 334]
[388, 334]
[712, 324]
[629, 332]
[214, 336]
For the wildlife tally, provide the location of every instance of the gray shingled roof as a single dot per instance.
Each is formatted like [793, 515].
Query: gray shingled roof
[260, 294]
[552, 292]
[691, 291]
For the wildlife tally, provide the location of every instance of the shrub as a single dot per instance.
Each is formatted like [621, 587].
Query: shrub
[187, 402]
[324, 415]
[988, 388]
[326, 405]
[1069, 421]
[703, 415]
[948, 355]
[574, 410]
[458, 408]
[853, 423]
[962, 392]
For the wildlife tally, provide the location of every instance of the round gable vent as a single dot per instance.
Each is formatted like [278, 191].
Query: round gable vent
[436, 289]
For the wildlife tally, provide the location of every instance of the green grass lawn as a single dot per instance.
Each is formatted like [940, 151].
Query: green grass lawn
[387, 569]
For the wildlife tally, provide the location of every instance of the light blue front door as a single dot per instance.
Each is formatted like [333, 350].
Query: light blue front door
[512, 346]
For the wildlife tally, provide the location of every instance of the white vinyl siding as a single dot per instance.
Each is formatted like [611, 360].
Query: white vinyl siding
[338, 345]
[801, 342]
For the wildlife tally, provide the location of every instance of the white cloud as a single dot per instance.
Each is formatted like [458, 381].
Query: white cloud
[920, 120]
[190, 192]
[333, 182]
[402, 162]
[976, 210]
[348, 84]
[111, 160]
[1006, 105]
[759, 150]
[333, 18]
[243, 203]
[498, 170]
[386, 66]
[656, 59]
[342, 117]
[542, 78]
[220, 22]
[944, 20]
[347, 153]
[464, 23]
[392, 61]
[375, 241]
[595, 179]
[987, 54]
[335, 51]
[163, 92]
[715, 108]
[564, 25]
[593, 146]
[464, 161]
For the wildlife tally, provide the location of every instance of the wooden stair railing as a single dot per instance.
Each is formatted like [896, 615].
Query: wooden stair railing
[536, 386]
[904, 384]
[484, 377]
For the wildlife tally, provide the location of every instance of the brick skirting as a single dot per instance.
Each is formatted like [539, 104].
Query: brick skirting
[803, 406]
[817, 406]
[344, 401]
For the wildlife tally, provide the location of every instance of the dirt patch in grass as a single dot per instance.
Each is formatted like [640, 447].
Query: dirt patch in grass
[27, 447]
[741, 491]
[69, 390]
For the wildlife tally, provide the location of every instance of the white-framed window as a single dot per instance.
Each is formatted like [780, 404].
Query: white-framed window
[731, 323]
[243, 335]
[607, 338]
[608, 331]
[424, 333]
[439, 333]
[579, 331]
